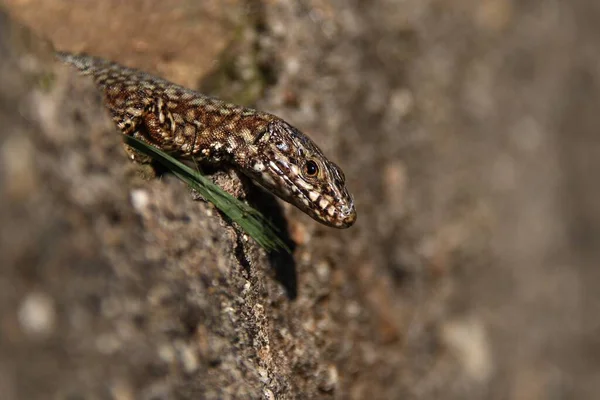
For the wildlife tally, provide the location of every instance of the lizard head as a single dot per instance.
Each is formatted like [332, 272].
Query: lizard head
[290, 165]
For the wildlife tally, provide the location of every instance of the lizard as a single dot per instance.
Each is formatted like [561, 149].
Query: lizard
[192, 125]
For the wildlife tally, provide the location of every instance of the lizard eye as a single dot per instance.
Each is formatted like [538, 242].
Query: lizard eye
[311, 168]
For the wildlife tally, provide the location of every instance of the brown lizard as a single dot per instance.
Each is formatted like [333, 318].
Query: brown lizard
[189, 124]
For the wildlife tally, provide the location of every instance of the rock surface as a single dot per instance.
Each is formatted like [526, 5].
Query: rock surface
[468, 132]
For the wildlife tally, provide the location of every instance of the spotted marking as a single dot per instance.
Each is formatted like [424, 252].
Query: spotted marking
[246, 135]
[178, 118]
[282, 146]
[189, 130]
[134, 111]
[190, 115]
[323, 203]
[304, 185]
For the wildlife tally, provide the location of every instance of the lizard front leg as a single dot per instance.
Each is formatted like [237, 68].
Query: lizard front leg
[159, 124]
[153, 124]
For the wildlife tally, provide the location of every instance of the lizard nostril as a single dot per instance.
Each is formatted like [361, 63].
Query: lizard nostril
[347, 210]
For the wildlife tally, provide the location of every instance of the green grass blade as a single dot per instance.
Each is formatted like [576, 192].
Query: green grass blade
[249, 219]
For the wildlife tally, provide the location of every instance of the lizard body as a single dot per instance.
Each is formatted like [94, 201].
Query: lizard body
[189, 124]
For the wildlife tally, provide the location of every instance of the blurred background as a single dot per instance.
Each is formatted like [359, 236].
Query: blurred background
[469, 133]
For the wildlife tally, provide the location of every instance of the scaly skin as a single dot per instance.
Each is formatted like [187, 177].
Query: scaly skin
[189, 124]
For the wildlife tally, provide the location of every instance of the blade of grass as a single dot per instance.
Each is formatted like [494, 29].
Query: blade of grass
[249, 219]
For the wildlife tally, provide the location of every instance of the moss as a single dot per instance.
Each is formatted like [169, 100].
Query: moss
[243, 71]
[45, 81]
